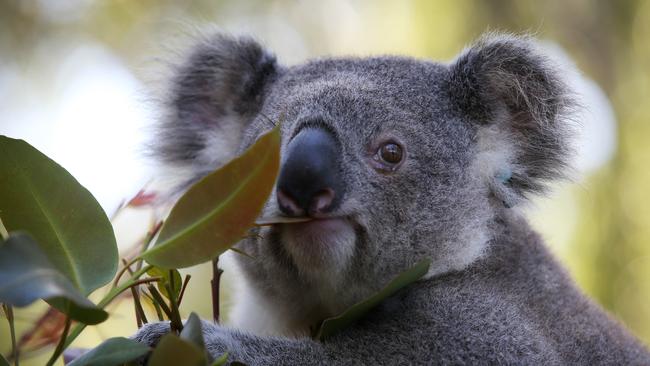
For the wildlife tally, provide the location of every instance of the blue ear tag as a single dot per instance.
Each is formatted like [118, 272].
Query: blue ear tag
[504, 175]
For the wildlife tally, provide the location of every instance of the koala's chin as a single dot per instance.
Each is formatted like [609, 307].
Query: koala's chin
[320, 244]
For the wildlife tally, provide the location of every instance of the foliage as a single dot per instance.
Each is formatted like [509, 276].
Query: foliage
[70, 248]
[27, 275]
[332, 325]
[58, 246]
[113, 351]
[38, 196]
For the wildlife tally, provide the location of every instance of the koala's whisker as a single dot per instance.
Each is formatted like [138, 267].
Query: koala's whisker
[268, 119]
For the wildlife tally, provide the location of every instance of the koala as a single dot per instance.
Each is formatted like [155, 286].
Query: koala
[395, 160]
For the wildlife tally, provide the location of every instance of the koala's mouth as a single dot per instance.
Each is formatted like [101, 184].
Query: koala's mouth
[320, 226]
[319, 243]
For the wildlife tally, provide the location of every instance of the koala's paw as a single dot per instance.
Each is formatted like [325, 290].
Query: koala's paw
[151, 333]
[218, 340]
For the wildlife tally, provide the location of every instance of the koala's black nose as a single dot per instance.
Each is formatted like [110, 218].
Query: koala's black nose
[310, 178]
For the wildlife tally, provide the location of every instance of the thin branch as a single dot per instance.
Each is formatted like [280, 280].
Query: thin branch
[216, 279]
[61, 344]
[110, 296]
[137, 259]
[127, 267]
[176, 322]
[158, 311]
[146, 242]
[155, 305]
[140, 316]
[185, 282]
[117, 211]
[145, 280]
[160, 301]
[138, 319]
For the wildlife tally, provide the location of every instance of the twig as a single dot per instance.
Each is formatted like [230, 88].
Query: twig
[140, 316]
[145, 280]
[137, 259]
[155, 305]
[117, 211]
[185, 282]
[160, 301]
[110, 296]
[61, 344]
[176, 322]
[216, 278]
[147, 240]
[127, 267]
[138, 319]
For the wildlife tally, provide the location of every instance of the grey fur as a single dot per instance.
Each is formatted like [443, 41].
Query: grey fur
[494, 294]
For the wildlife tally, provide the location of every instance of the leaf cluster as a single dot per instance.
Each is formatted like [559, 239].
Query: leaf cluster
[58, 246]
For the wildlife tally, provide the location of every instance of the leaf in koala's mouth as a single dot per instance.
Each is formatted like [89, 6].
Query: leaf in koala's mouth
[273, 220]
[335, 324]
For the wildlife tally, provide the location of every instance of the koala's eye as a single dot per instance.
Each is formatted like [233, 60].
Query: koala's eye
[390, 153]
[387, 155]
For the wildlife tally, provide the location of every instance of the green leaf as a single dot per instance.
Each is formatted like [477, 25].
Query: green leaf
[192, 331]
[113, 351]
[40, 197]
[172, 350]
[26, 275]
[166, 279]
[3, 361]
[332, 325]
[217, 211]
[221, 361]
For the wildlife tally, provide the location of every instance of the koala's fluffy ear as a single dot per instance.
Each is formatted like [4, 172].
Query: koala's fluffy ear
[214, 94]
[516, 96]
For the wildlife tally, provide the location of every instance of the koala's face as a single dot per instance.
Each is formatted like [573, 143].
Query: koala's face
[373, 150]
[394, 159]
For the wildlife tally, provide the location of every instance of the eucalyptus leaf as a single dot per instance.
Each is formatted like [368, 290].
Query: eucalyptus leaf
[216, 212]
[111, 352]
[175, 285]
[335, 324]
[192, 331]
[26, 275]
[172, 350]
[40, 197]
[221, 360]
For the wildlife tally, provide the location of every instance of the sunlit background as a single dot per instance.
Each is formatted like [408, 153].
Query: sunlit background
[79, 80]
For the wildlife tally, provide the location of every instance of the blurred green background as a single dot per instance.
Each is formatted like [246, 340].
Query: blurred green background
[79, 80]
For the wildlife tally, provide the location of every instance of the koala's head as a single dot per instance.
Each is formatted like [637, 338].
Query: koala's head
[396, 159]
